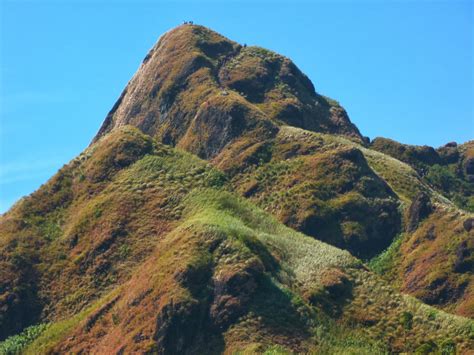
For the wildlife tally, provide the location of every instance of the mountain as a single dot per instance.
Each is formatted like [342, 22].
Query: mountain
[226, 207]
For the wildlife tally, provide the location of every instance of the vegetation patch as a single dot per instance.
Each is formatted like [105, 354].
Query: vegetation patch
[17, 343]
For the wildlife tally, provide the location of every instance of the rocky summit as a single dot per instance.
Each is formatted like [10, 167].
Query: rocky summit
[227, 207]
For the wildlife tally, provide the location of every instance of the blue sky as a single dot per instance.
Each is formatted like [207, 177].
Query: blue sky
[402, 69]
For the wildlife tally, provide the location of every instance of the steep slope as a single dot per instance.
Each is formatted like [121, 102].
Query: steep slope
[430, 257]
[138, 247]
[204, 93]
[198, 90]
[434, 260]
[448, 169]
[324, 189]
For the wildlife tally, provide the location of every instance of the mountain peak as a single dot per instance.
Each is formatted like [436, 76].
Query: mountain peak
[196, 84]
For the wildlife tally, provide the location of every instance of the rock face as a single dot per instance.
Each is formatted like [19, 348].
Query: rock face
[469, 167]
[199, 90]
[468, 224]
[420, 209]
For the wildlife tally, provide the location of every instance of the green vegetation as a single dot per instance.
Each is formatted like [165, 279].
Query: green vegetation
[445, 180]
[442, 169]
[385, 263]
[320, 191]
[51, 334]
[17, 343]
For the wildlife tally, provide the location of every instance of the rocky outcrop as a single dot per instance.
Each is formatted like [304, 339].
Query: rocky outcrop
[468, 224]
[420, 208]
[232, 293]
[469, 166]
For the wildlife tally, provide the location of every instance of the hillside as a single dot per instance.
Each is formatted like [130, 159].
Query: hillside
[227, 207]
[153, 247]
[448, 169]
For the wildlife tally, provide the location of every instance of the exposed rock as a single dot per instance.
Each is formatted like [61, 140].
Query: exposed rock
[431, 234]
[420, 208]
[469, 166]
[440, 291]
[334, 293]
[468, 224]
[177, 326]
[464, 258]
[449, 153]
[232, 291]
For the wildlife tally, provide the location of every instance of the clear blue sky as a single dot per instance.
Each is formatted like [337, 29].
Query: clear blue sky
[402, 69]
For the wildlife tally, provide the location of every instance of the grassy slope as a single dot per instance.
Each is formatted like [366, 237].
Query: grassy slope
[298, 277]
[447, 169]
[407, 260]
[153, 248]
[324, 190]
[433, 263]
[91, 224]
